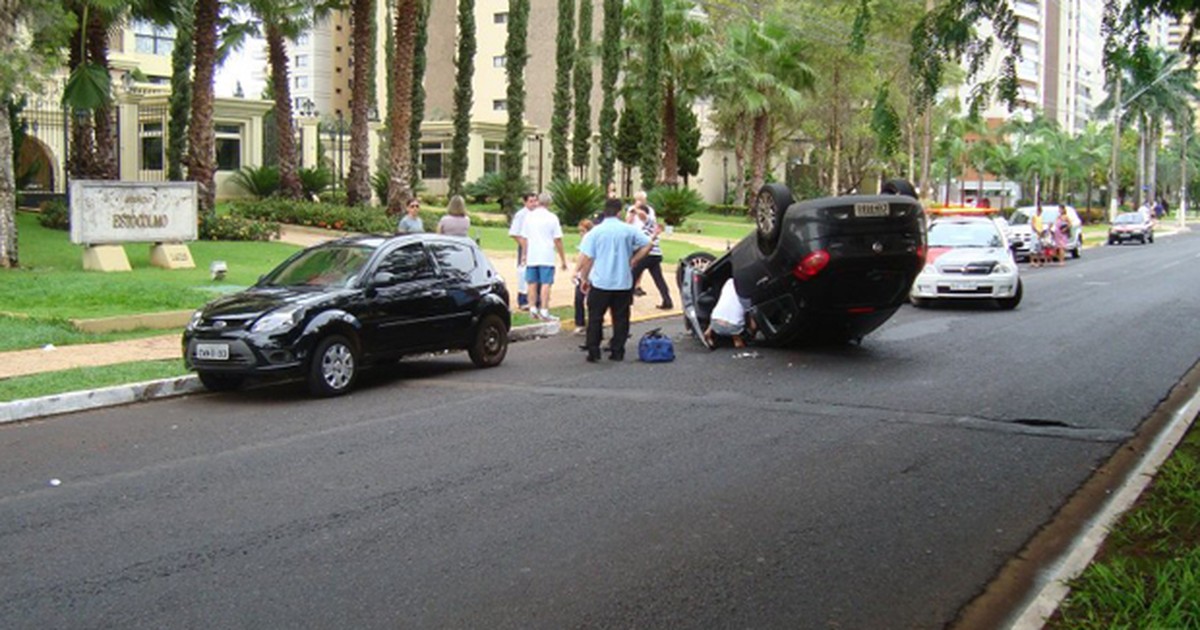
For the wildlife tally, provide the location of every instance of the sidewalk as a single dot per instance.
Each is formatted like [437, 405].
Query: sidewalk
[163, 347]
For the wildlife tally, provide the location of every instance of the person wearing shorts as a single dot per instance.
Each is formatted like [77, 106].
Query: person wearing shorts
[542, 236]
[728, 317]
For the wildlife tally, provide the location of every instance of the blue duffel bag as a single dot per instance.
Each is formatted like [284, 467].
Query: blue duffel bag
[655, 347]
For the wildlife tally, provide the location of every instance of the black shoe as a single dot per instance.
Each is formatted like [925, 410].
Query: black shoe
[639, 292]
[593, 358]
[616, 356]
[665, 307]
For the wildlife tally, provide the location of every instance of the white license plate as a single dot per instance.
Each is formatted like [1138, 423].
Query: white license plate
[871, 210]
[212, 351]
[962, 286]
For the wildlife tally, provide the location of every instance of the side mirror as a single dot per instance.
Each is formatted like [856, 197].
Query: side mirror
[383, 279]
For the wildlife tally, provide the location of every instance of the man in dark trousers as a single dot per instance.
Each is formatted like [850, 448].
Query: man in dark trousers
[607, 256]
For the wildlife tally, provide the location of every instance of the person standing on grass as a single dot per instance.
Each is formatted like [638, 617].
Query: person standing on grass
[585, 226]
[410, 223]
[455, 222]
[606, 259]
[514, 230]
[541, 236]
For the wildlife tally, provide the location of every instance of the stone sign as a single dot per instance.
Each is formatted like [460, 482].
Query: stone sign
[107, 212]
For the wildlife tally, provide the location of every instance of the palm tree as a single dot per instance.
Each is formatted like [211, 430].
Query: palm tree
[279, 21]
[400, 175]
[761, 74]
[201, 160]
[362, 36]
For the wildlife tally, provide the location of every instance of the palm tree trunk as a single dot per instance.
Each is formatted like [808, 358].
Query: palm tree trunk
[1152, 158]
[81, 154]
[758, 154]
[358, 184]
[1141, 172]
[201, 160]
[289, 175]
[106, 164]
[8, 195]
[670, 137]
[399, 184]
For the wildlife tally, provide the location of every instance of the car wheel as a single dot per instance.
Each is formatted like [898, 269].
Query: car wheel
[1151, 237]
[1078, 249]
[770, 204]
[697, 260]
[1008, 304]
[898, 187]
[219, 382]
[491, 342]
[1112, 241]
[333, 367]
[919, 302]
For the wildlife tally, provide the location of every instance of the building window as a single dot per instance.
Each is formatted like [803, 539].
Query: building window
[301, 61]
[150, 39]
[433, 156]
[499, 105]
[152, 146]
[493, 152]
[500, 18]
[302, 40]
[498, 61]
[229, 146]
[301, 82]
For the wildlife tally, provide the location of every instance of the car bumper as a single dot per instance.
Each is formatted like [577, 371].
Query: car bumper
[239, 355]
[938, 286]
[1126, 236]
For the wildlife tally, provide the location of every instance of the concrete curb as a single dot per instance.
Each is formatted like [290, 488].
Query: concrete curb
[70, 402]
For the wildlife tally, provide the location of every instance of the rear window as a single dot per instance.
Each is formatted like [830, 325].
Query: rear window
[454, 259]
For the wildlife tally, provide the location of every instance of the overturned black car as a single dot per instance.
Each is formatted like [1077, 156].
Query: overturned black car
[827, 270]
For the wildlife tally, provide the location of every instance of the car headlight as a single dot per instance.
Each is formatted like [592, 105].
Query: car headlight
[929, 269]
[278, 319]
[1002, 268]
[194, 322]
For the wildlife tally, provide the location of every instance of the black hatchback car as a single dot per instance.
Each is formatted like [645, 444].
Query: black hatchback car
[329, 310]
[825, 270]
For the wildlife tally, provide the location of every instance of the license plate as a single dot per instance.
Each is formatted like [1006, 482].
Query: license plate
[962, 286]
[871, 209]
[212, 351]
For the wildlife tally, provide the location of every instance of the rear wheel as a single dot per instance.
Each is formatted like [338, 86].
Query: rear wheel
[1078, 249]
[898, 187]
[919, 302]
[697, 260]
[491, 342]
[770, 204]
[214, 382]
[334, 367]
[1008, 304]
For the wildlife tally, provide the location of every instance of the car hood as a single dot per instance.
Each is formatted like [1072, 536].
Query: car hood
[258, 300]
[966, 255]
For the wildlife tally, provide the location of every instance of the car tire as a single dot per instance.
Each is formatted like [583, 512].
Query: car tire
[898, 187]
[1151, 237]
[333, 367]
[1112, 241]
[688, 262]
[490, 344]
[214, 382]
[918, 302]
[770, 204]
[1008, 304]
[1078, 249]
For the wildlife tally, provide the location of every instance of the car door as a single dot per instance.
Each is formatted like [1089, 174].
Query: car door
[458, 266]
[404, 302]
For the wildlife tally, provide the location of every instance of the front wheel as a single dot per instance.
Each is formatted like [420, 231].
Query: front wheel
[1008, 304]
[214, 382]
[333, 368]
[918, 302]
[697, 260]
[490, 344]
[1078, 249]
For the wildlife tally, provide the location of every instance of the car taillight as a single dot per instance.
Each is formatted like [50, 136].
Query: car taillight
[921, 251]
[811, 265]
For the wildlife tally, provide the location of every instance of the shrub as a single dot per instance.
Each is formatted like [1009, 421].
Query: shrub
[485, 189]
[314, 180]
[575, 201]
[379, 183]
[260, 181]
[235, 228]
[55, 215]
[371, 219]
[673, 205]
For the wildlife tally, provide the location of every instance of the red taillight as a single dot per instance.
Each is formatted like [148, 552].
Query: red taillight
[811, 265]
[861, 310]
[921, 253]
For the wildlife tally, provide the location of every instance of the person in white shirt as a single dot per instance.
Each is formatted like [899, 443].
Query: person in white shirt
[541, 236]
[514, 230]
[728, 317]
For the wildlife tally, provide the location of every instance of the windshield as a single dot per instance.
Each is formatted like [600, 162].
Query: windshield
[956, 234]
[331, 266]
[1129, 217]
[1022, 215]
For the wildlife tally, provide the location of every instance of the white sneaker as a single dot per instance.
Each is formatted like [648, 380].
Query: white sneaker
[533, 312]
[547, 316]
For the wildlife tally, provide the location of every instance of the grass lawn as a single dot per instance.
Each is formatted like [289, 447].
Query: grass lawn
[78, 379]
[1148, 573]
[19, 333]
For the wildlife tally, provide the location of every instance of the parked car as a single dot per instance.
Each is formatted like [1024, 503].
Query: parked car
[1129, 226]
[830, 269]
[1020, 233]
[329, 310]
[969, 258]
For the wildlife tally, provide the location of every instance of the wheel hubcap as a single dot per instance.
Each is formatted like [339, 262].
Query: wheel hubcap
[491, 341]
[763, 215]
[337, 366]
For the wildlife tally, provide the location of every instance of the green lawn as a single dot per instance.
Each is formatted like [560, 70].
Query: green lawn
[79, 379]
[19, 333]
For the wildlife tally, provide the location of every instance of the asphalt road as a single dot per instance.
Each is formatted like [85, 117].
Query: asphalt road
[879, 486]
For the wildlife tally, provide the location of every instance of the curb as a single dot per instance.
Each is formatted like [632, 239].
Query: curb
[70, 402]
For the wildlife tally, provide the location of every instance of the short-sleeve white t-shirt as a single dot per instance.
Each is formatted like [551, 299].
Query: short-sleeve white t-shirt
[541, 228]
